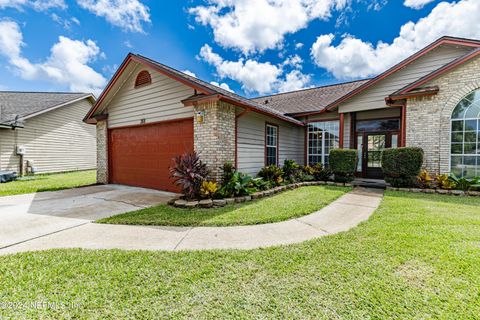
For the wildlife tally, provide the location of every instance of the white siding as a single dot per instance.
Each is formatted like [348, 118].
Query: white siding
[158, 101]
[374, 97]
[56, 141]
[251, 142]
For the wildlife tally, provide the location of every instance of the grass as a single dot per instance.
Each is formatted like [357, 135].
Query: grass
[48, 182]
[284, 206]
[417, 257]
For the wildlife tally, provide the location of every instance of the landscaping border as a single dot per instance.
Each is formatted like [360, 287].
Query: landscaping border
[438, 191]
[216, 203]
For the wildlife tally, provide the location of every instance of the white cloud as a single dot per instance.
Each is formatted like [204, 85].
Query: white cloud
[294, 61]
[417, 4]
[67, 64]
[39, 5]
[298, 45]
[190, 73]
[222, 85]
[294, 80]
[12, 3]
[256, 25]
[354, 58]
[42, 5]
[126, 14]
[254, 76]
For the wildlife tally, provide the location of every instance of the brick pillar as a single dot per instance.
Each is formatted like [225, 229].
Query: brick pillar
[214, 138]
[102, 152]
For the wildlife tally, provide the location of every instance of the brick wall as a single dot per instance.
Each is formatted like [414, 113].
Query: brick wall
[428, 118]
[102, 152]
[214, 138]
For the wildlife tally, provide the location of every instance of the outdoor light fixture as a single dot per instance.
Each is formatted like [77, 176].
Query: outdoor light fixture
[200, 115]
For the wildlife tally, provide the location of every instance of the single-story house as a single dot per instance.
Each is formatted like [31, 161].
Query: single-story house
[150, 113]
[44, 132]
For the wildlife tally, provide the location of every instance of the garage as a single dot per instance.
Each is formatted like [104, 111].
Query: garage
[142, 155]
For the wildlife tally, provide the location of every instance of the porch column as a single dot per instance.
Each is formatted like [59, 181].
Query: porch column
[342, 130]
[403, 126]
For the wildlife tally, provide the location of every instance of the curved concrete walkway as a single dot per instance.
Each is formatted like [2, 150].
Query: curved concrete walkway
[341, 215]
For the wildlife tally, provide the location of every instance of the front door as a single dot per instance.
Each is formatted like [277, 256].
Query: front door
[374, 146]
[370, 146]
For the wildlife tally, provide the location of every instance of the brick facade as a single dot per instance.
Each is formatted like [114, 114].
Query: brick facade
[214, 138]
[428, 118]
[102, 152]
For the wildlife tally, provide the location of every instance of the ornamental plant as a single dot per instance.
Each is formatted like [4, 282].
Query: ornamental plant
[343, 163]
[208, 189]
[291, 171]
[272, 174]
[464, 183]
[189, 172]
[444, 182]
[321, 173]
[401, 166]
[424, 180]
[239, 185]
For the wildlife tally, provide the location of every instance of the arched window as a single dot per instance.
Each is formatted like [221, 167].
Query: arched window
[465, 141]
[143, 78]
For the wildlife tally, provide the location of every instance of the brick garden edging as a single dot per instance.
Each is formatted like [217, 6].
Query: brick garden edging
[438, 191]
[215, 203]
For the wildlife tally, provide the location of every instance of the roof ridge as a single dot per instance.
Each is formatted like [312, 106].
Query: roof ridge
[50, 92]
[313, 88]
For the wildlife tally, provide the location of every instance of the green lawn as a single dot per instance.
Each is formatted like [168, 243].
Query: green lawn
[417, 257]
[284, 206]
[48, 182]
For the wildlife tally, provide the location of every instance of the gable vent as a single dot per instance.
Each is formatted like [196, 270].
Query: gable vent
[143, 78]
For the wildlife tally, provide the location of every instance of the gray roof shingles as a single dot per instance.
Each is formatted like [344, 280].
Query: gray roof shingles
[23, 104]
[223, 92]
[308, 100]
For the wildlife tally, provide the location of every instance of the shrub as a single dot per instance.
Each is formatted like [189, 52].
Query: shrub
[239, 185]
[189, 173]
[228, 170]
[424, 180]
[343, 163]
[444, 182]
[208, 189]
[401, 166]
[291, 171]
[272, 174]
[320, 173]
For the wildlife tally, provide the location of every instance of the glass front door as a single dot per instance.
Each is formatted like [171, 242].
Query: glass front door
[370, 147]
[375, 145]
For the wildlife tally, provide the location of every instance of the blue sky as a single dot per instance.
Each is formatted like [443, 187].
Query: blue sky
[253, 47]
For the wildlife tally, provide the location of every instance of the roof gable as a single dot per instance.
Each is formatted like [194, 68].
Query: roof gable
[203, 89]
[404, 63]
[414, 87]
[25, 105]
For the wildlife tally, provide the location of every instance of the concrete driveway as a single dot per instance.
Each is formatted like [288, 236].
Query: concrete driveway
[30, 216]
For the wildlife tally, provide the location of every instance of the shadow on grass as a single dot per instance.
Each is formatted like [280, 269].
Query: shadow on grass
[444, 198]
[280, 207]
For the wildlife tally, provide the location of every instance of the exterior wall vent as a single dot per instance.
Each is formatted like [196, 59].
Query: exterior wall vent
[143, 79]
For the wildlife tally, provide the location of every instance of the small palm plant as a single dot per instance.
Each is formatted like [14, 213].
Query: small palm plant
[189, 173]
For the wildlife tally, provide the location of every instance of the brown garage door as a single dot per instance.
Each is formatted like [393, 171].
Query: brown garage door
[141, 156]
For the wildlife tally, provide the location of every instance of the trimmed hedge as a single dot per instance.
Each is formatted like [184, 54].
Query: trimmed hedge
[401, 166]
[343, 163]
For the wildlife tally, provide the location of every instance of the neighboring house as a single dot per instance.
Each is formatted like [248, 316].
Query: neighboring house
[150, 113]
[45, 131]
